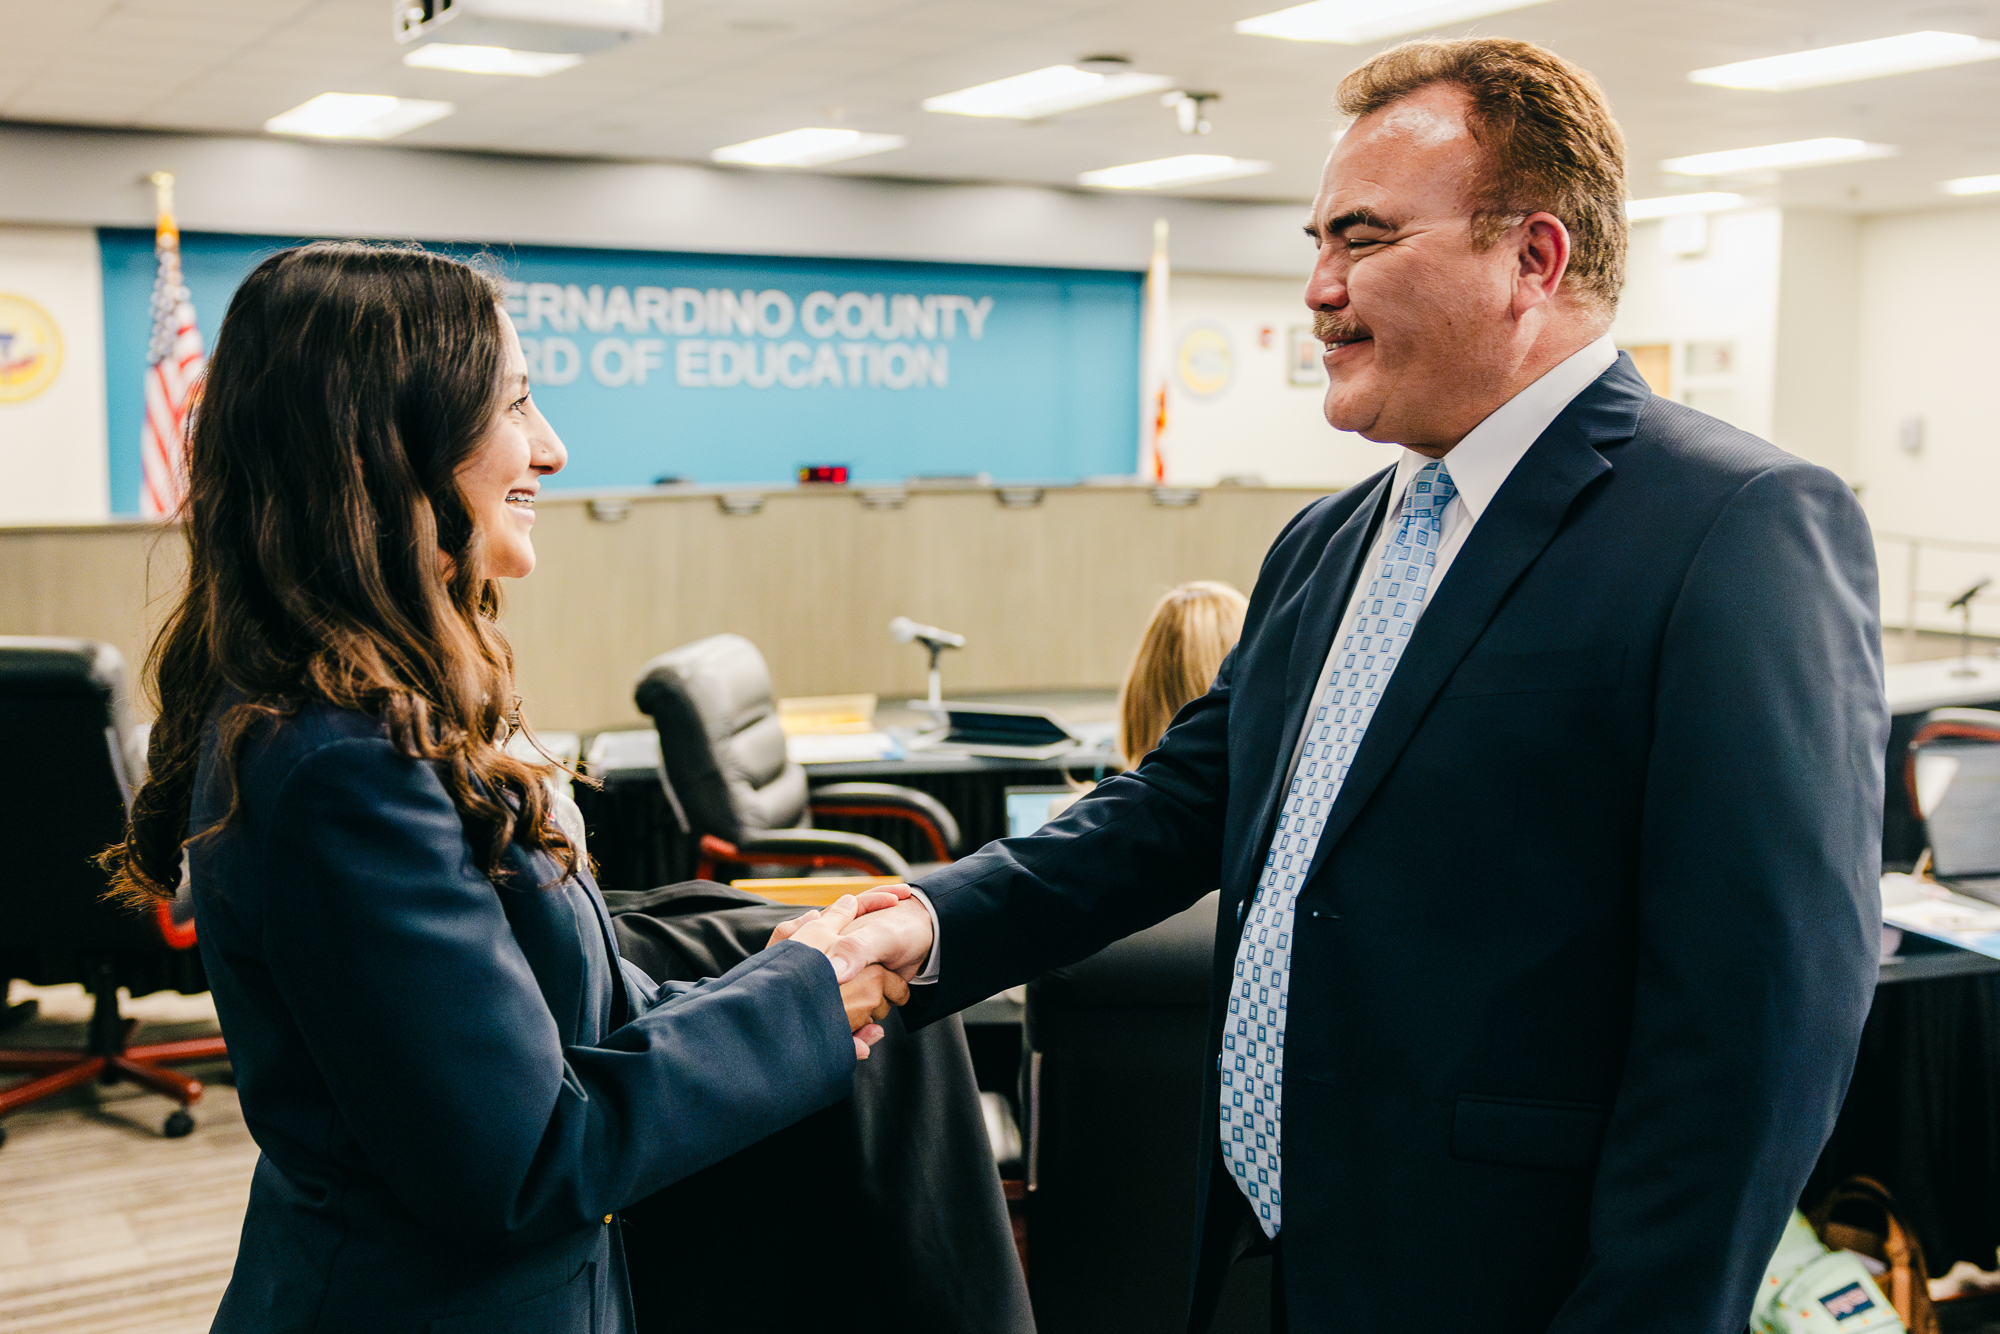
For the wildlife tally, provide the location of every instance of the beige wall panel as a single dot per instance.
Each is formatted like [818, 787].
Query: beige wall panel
[1049, 597]
[112, 582]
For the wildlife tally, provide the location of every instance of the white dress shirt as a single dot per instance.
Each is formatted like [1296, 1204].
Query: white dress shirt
[1479, 465]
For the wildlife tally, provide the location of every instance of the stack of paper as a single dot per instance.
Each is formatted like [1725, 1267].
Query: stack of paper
[843, 748]
[827, 715]
[1932, 910]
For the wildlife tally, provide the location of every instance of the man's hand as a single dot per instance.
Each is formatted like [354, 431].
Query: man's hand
[897, 937]
[866, 992]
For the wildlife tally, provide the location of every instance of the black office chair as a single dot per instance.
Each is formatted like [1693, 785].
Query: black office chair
[62, 709]
[732, 785]
[1115, 1117]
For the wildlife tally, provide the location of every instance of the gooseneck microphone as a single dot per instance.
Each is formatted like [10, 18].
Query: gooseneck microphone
[905, 630]
[1962, 600]
[937, 641]
[1963, 604]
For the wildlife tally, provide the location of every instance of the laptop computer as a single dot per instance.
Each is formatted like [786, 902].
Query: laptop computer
[1029, 808]
[1964, 819]
[1003, 731]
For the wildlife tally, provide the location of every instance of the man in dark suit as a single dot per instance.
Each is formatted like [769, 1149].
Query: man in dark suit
[1543, 789]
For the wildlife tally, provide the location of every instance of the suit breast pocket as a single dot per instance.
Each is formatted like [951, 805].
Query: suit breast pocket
[1596, 667]
[1528, 1132]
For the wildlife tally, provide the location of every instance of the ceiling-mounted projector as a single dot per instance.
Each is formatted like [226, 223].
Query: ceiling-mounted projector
[574, 26]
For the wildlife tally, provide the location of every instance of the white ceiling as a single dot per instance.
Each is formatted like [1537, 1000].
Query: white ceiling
[727, 70]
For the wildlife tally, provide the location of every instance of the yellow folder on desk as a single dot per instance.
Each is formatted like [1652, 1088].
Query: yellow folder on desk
[814, 891]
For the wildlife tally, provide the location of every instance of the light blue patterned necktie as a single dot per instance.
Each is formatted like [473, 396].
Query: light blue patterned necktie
[1253, 1036]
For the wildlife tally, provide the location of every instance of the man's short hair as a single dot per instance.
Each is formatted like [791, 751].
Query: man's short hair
[1551, 144]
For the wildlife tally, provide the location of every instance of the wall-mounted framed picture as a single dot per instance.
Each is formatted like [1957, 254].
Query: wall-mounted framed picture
[1302, 358]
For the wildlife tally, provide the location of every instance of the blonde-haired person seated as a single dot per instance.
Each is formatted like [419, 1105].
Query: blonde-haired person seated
[1192, 630]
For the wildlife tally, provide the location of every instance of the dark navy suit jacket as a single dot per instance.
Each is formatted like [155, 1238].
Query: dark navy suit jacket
[449, 1099]
[1583, 957]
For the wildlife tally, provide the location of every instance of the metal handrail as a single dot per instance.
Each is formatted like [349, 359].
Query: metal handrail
[1912, 593]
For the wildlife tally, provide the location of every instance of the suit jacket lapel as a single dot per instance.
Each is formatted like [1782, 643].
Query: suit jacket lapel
[1321, 602]
[1517, 525]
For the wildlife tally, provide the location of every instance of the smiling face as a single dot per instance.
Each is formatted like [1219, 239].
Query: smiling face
[502, 475]
[1425, 331]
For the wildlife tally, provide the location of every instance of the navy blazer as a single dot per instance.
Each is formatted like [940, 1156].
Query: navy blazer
[450, 1103]
[1583, 956]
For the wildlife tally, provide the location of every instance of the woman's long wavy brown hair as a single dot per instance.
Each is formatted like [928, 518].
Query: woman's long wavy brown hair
[331, 554]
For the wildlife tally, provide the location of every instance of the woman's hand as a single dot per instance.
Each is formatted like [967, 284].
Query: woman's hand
[871, 994]
[867, 996]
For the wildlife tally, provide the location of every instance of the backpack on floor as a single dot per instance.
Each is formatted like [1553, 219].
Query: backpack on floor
[1860, 1215]
[1808, 1289]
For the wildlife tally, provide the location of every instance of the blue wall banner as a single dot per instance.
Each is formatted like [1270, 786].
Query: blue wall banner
[723, 368]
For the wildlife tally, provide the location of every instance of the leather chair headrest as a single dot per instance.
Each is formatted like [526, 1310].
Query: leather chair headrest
[48, 668]
[36, 665]
[724, 676]
[722, 747]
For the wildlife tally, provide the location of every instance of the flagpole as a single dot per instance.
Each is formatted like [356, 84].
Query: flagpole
[1157, 363]
[165, 230]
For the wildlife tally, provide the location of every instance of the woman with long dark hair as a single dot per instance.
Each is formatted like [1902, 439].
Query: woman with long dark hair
[454, 1081]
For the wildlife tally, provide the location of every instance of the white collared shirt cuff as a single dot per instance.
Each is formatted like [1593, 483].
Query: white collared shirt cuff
[930, 972]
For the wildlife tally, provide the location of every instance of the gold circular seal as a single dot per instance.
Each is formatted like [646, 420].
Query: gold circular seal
[31, 349]
[1206, 361]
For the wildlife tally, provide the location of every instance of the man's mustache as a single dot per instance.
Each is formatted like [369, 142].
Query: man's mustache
[1329, 328]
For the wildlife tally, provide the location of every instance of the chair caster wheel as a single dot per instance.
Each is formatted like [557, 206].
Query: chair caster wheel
[179, 1124]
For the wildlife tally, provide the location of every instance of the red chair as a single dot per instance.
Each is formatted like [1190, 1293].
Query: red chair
[62, 709]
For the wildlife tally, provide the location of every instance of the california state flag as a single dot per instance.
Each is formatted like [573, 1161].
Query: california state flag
[1158, 364]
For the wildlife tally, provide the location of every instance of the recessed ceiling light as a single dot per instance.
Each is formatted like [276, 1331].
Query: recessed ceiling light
[1707, 201]
[1776, 157]
[491, 60]
[807, 148]
[1163, 173]
[1972, 185]
[1044, 92]
[1856, 60]
[1357, 21]
[357, 116]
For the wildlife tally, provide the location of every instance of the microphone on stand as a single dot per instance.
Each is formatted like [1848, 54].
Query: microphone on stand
[1965, 599]
[1963, 602]
[937, 641]
[905, 630]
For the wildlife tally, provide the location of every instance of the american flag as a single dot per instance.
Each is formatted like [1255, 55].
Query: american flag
[174, 362]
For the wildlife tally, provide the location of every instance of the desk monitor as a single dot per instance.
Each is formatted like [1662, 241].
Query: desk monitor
[1029, 808]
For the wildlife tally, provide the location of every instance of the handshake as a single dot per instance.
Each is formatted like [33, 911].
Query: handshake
[877, 942]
